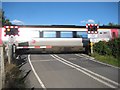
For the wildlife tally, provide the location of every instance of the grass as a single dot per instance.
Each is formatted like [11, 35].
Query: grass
[13, 77]
[107, 59]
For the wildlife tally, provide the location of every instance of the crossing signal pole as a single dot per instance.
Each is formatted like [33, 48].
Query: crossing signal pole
[92, 30]
[11, 31]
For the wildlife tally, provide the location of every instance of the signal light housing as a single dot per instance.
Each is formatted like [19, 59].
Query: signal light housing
[11, 30]
[92, 28]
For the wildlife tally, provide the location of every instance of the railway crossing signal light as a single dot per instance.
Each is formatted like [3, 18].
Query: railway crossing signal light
[11, 30]
[92, 28]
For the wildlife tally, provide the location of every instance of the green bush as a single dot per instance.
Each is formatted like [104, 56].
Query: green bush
[114, 45]
[108, 48]
[102, 48]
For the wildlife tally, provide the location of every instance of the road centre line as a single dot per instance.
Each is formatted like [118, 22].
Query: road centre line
[87, 72]
[92, 59]
[38, 78]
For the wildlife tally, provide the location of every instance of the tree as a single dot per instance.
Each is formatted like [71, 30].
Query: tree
[3, 19]
[112, 24]
[7, 22]
[0, 18]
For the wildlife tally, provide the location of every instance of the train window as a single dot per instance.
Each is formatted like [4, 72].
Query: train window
[66, 34]
[82, 35]
[49, 34]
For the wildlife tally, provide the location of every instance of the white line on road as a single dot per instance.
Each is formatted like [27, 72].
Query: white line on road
[38, 78]
[91, 72]
[85, 71]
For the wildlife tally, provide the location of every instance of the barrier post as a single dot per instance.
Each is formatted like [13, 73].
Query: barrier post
[9, 53]
[91, 47]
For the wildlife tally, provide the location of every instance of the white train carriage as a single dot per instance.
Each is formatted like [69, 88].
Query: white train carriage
[57, 38]
[50, 38]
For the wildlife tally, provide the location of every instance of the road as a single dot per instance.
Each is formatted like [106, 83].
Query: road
[69, 71]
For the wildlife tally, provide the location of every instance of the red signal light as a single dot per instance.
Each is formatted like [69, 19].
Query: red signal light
[4, 30]
[92, 28]
[4, 34]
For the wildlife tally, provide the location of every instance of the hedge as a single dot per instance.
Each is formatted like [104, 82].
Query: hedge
[111, 47]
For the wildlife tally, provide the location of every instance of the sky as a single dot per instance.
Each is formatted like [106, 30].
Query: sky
[61, 13]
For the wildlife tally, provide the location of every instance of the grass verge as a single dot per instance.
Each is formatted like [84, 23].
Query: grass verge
[106, 59]
[14, 77]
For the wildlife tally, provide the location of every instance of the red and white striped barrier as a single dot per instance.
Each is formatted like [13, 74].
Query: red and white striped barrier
[34, 47]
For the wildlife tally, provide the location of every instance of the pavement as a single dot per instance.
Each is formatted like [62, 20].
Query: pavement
[69, 71]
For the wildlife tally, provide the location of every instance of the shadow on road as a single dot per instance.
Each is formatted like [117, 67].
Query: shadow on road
[35, 51]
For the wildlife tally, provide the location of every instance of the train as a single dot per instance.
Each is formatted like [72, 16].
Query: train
[56, 38]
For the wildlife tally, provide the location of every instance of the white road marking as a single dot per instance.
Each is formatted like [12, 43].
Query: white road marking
[92, 59]
[38, 78]
[85, 71]
[42, 60]
[92, 72]
[72, 59]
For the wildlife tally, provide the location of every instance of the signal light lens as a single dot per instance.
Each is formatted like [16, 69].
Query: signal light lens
[4, 30]
[4, 34]
[8, 29]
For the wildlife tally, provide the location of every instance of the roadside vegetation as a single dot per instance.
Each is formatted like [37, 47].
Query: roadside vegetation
[15, 77]
[108, 52]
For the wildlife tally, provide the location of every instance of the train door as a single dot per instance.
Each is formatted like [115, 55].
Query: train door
[114, 33]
